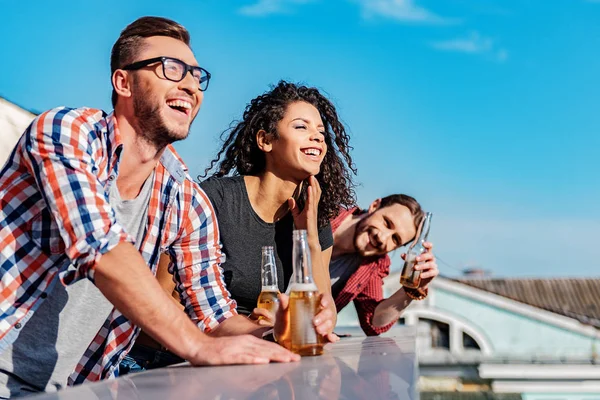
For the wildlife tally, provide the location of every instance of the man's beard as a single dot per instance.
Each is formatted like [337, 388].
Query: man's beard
[150, 123]
[363, 228]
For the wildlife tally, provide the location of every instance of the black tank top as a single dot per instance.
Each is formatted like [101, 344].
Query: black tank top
[243, 233]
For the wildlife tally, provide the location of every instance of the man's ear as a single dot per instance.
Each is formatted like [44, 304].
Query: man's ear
[121, 83]
[264, 141]
[374, 205]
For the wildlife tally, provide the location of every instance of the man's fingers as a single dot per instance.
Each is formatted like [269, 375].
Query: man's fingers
[250, 359]
[426, 266]
[427, 275]
[263, 349]
[431, 273]
[425, 257]
[428, 270]
[274, 352]
[243, 349]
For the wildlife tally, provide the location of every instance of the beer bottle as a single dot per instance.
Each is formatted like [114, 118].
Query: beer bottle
[270, 290]
[409, 277]
[304, 301]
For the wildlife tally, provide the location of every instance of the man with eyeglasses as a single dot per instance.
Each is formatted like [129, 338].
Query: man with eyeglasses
[88, 202]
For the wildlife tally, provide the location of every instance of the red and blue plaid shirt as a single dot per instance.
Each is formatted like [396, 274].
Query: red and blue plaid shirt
[365, 285]
[54, 212]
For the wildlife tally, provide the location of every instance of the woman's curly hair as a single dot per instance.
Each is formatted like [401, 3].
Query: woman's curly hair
[243, 157]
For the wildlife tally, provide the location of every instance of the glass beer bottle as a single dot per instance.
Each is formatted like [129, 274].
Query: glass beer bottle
[410, 277]
[304, 301]
[268, 298]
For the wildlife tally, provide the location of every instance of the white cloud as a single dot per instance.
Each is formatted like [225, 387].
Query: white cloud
[268, 7]
[473, 44]
[400, 10]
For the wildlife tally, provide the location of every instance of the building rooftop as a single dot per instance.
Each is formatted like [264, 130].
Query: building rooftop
[577, 298]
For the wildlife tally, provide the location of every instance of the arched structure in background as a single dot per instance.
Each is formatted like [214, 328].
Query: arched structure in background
[457, 327]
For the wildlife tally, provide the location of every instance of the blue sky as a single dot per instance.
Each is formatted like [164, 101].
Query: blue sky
[486, 111]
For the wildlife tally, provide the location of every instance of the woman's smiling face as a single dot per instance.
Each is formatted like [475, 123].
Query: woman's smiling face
[300, 146]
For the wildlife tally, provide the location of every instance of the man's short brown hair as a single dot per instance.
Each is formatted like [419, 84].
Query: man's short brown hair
[407, 201]
[130, 42]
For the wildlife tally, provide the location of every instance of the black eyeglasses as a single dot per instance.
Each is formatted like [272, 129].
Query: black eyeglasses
[175, 70]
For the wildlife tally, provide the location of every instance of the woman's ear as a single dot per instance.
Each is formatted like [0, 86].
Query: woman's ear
[264, 141]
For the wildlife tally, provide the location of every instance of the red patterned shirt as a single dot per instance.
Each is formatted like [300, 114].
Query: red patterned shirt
[54, 212]
[365, 285]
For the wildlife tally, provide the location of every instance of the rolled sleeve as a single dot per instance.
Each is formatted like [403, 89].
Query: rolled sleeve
[197, 271]
[367, 301]
[59, 152]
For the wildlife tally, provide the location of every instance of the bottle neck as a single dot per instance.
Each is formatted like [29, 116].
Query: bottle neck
[268, 269]
[301, 260]
[423, 231]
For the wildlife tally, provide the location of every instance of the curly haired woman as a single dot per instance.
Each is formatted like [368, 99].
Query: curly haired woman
[285, 165]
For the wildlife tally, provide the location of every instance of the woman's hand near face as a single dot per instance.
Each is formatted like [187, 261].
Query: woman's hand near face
[308, 217]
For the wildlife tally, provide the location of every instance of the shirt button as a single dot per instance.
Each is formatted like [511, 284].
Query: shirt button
[18, 325]
[111, 178]
[44, 295]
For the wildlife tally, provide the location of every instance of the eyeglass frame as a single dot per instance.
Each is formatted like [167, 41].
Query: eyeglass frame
[188, 68]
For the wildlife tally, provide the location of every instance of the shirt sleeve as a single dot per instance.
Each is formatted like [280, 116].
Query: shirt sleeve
[59, 154]
[197, 269]
[325, 237]
[367, 301]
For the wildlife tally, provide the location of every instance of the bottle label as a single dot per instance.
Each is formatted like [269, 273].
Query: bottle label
[303, 308]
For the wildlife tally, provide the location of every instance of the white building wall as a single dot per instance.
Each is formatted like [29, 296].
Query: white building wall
[13, 122]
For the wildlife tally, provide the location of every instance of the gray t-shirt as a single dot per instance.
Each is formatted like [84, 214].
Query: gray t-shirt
[53, 341]
[341, 269]
[243, 233]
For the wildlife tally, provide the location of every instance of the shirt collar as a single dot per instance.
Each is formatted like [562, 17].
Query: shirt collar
[343, 213]
[114, 135]
[174, 164]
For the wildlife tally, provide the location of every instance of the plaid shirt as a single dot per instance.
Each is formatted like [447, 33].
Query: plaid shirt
[54, 212]
[365, 285]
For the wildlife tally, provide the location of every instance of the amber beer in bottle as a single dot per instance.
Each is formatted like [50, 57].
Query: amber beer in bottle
[410, 277]
[268, 298]
[304, 301]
